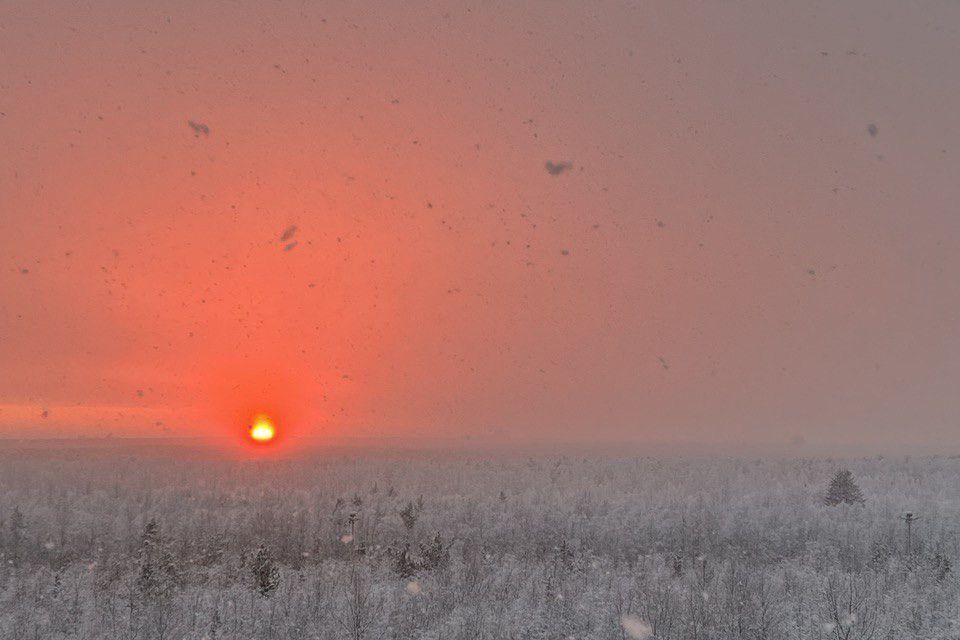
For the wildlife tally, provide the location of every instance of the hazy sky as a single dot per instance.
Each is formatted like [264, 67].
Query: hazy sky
[757, 241]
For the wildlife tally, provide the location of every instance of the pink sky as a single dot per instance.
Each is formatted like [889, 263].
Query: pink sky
[732, 257]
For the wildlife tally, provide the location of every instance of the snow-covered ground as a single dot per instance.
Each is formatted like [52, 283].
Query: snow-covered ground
[136, 544]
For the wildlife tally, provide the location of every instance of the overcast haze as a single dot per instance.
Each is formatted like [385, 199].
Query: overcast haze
[755, 240]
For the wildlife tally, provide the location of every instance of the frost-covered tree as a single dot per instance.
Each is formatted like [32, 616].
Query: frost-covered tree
[434, 554]
[266, 574]
[158, 578]
[404, 565]
[879, 556]
[409, 516]
[16, 533]
[941, 566]
[843, 489]
[357, 612]
[158, 573]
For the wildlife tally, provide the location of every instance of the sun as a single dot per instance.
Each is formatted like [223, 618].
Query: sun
[261, 429]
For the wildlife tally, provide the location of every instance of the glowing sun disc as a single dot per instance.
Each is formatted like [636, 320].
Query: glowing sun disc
[262, 429]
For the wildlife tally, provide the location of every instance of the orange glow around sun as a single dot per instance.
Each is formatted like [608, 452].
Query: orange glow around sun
[262, 429]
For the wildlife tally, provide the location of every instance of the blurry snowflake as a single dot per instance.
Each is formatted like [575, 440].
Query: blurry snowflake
[636, 628]
[346, 539]
[198, 128]
[413, 588]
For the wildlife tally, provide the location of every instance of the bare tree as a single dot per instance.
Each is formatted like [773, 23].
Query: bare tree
[357, 614]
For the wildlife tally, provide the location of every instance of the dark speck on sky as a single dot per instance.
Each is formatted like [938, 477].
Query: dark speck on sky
[199, 128]
[556, 168]
[288, 233]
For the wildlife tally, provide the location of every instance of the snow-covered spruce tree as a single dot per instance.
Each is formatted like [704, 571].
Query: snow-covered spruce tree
[158, 579]
[880, 554]
[941, 566]
[266, 574]
[16, 534]
[404, 565]
[409, 516]
[159, 575]
[434, 555]
[843, 489]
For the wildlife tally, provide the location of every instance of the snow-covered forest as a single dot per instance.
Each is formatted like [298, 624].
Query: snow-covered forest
[431, 545]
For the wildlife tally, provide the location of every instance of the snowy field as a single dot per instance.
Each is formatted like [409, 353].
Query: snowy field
[148, 544]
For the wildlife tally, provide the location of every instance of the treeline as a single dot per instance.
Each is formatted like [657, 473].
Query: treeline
[465, 547]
